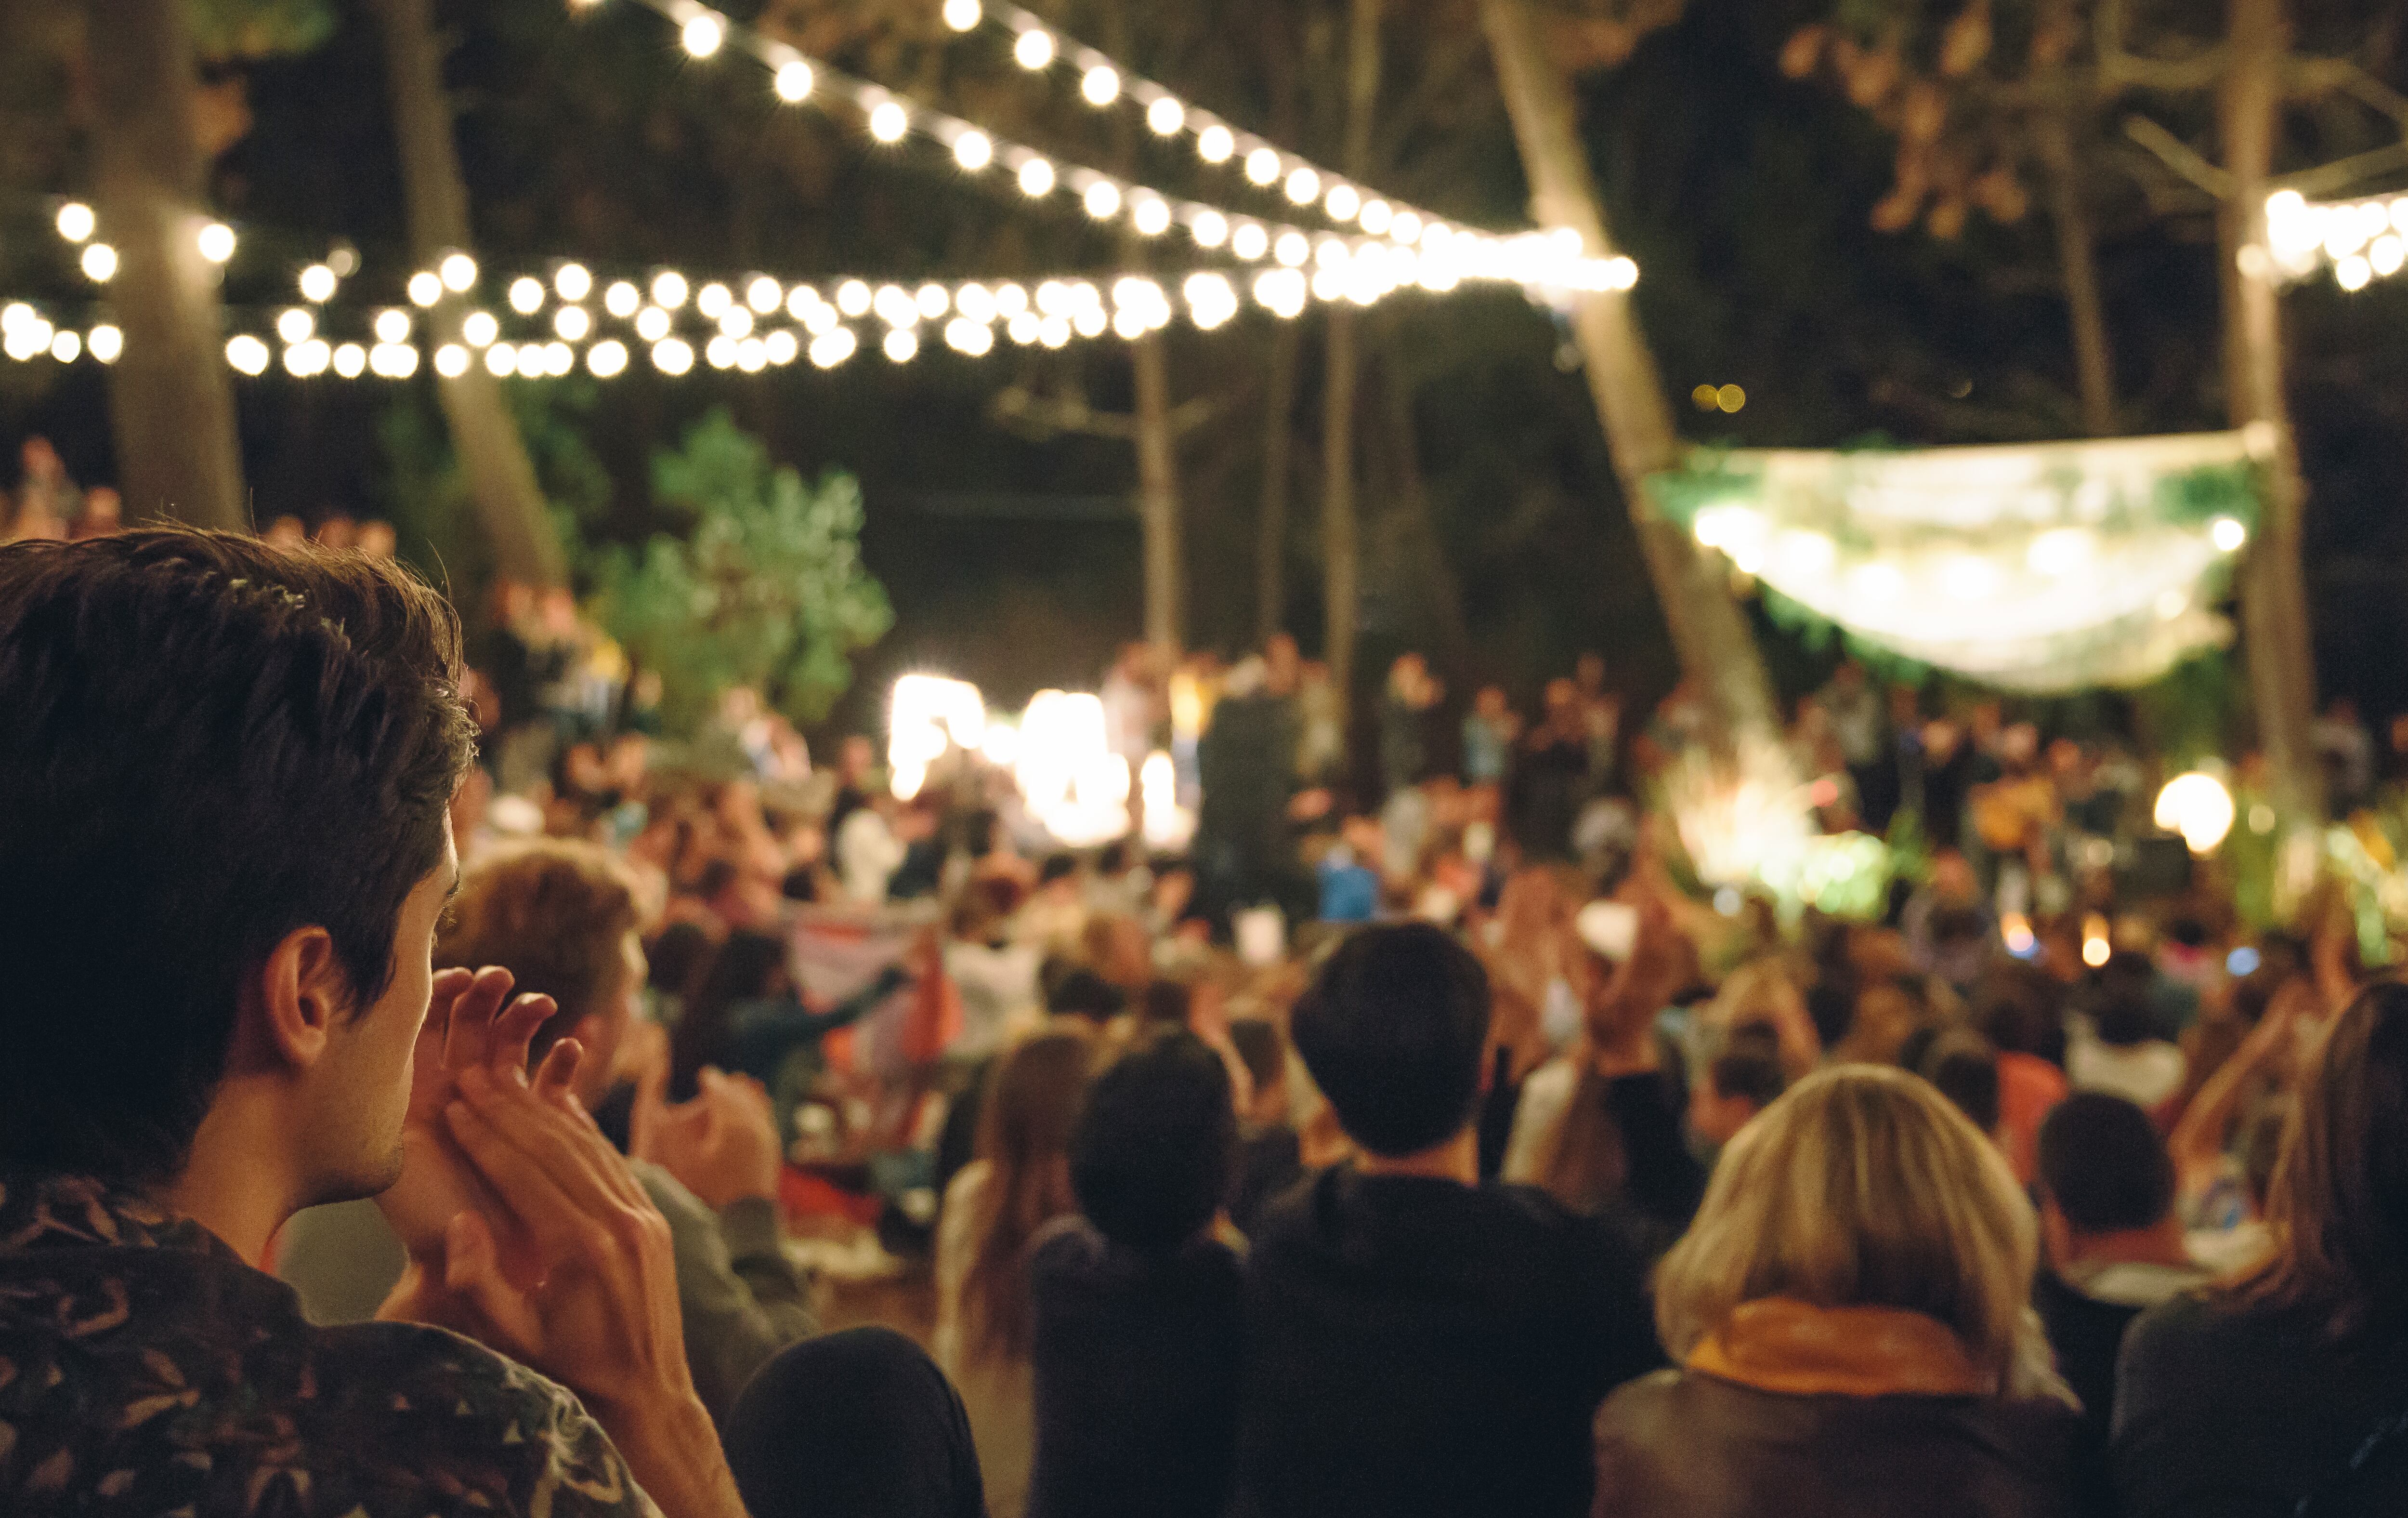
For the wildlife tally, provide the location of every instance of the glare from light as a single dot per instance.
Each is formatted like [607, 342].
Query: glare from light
[793, 82]
[2197, 806]
[2227, 534]
[889, 122]
[702, 34]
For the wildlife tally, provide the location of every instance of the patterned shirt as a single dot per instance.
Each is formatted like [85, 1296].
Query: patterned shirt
[146, 1369]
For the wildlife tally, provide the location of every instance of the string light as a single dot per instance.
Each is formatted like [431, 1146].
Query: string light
[668, 290]
[75, 221]
[1036, 179]
[607, 360]
[672, 356]
[1101, 85]
[652, 323]
[621, 298]
[247, 353]
[1165, 116]
[458, 272]
[973, 150]
[479, 329]
[888, 122]
[574, 323]
[451, 360]
[963, 15]
[1215, 144]
[1151, 216]
[793, 82]
[426, 288]
[391, 325]
[735, 322]
[318, 284]
[1303, 186]
[106, 342]
[99, 261]
[351, 360]
[1102, 200]
[763, 294]
[712, 301]
[702, 34]
[1262, 166]
[571, 281]
[217, 242]
[67, 344]
[526, 296]
[1035, 48]
[295, 325]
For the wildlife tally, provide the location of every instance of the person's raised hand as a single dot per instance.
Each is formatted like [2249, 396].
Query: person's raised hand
[722, 1146]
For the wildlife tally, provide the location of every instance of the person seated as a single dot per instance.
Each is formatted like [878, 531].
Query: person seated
[561, 917]
[2281, 1392]
[1137, 1309]
[1417, 1341]
[1741, 1081]
[1850, 1312]
[2114, 1240]
[1271, 1154]
[228, 767]
[855, 1425]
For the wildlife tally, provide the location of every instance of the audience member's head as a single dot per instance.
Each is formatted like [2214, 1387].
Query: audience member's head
[1861, 1187]
[748, 968]
[1032, 1106]
[1741, 1081]
[2340, 1197]
[1082, 993]
[1155, 1149]
[562, 918]
[227, 770]
[1964, 1068]
[2122, 1017]
[855, 1425]
[2103, 1171]
[1391, 1032]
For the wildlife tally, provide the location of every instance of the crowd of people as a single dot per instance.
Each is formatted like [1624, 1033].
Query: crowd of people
[413, 970]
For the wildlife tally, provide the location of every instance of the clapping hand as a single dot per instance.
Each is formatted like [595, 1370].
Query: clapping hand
[722, 1146]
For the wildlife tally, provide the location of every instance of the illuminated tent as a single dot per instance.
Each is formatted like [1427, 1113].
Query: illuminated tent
[2040, 569]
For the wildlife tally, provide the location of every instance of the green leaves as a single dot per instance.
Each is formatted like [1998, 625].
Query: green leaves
[767, 588]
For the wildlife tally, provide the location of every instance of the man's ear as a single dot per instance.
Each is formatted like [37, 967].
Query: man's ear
[301, 993]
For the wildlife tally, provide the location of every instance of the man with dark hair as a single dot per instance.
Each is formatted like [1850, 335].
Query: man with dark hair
[228, 769]
[1742, 1080]
[1138, 1309]
[1416, 1341]
[2115, 1244]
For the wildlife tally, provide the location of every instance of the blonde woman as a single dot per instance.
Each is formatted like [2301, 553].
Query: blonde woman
[1850, 1316]
[1020, 1182]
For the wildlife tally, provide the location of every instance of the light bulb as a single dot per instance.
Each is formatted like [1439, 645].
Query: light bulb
[702, 34]
[621, 299]
[1406, 227]
[902, 343]
[247, 353]
[671, 355]
[105, 343]
[852, 297]
[558, 359]
[1303, 186]
[1250, 241]
[570, 282]
[712, 301]
[426, 288]
[1210, 229]
[1215, 143]
[833, 347]
[1376, 216]
[451, 360]
[392, 324]
[1103, 199]
[351, 360]
[973, 150]
[793, 82]
[295, 325]
[318, 284]
[526, 296]
[501, 360]
[1165, 116]
[668, 289]
[216, 245]
[1293, 249]
[932, 301]
[1263, 166]
[75, 221]
[782, 346]
[961, 15]
[735, 322]
[889, 120]
[1035, 48]
[2229, 534]
[1036, 179]
[1101, 85]
[1344, 202]
[607, 358]
[99, 261]
[573, 323]
[66, 345]
[458, 271]
[652, 324]
[479, 329]
[763, 294]
[1151, 216]
[1010, 299]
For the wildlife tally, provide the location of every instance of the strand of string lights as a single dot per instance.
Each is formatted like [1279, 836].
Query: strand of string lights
[1044, 48]
[1436, 255]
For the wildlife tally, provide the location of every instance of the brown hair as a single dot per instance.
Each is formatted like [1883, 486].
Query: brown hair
[555, 913]
[2340, 1200]
[1861, 1187]
[1032, 1107]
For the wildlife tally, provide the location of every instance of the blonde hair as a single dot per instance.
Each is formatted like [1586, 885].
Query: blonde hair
[1862, 1187]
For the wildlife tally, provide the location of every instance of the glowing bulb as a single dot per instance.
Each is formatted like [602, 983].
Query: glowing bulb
[2014, 931]
[763, 294]
[295, 325]
[247, 353]
[571, 282]
[973, 302]
[793, 82]
[1215, 143]
[1263, 166]
[1010, 299]
[621, 299]
[351, 360]
[1250, 241]
[99, 261]
[2096, 949]
[712, 301]
[1303, 186]
[426, 288]
[973, 150]
[1377, 217]
[217, 244]
[558, 358]
[458, 272]
[737, 322]
[1152, 216]
[105, 343]
[1342, 203]
[525, 295]
[1035, 48]
[932, 301]
[902, 343]
[751, 355]
[889, 120]
[1036, 176]
[501, 360]
[702, 34]
[783, 346]
[852, 297]
[1103, 199]
[451, 360]
[2198, 807]
[833, 347]
[2227, 534]
[67, 345]
[1165, 116]
[607, 358]
[1210, 229]
[572, 323]
[1406, 226]
[801, 301]
[1101, 85]
[2351, 273]
[668, 290]
[961, 15]
[318, 284]
[671, 355]
[1294, 248]
[307, 360]
[391, 325]
[75, 221]
[720, 351]
[652, 324]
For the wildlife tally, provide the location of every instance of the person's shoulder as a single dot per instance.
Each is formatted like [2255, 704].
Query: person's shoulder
[2195, 1333]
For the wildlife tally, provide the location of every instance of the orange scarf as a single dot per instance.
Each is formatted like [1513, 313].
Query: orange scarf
[1779, 1344]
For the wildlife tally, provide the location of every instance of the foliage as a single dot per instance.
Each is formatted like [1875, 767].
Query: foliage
[224, 30]
[767, 588]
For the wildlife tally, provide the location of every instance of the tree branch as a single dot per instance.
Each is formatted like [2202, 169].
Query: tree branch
[2178, 155]
[2316, 183]
[2119, 67]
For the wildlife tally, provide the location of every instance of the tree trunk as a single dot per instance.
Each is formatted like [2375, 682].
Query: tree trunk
[1157, 477]
[2077, 257]
[2273, 591]
[1340, 569]
[1718, 653]
[1279, 465]
[493, 457]
[1442, 596]
[169, 399]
